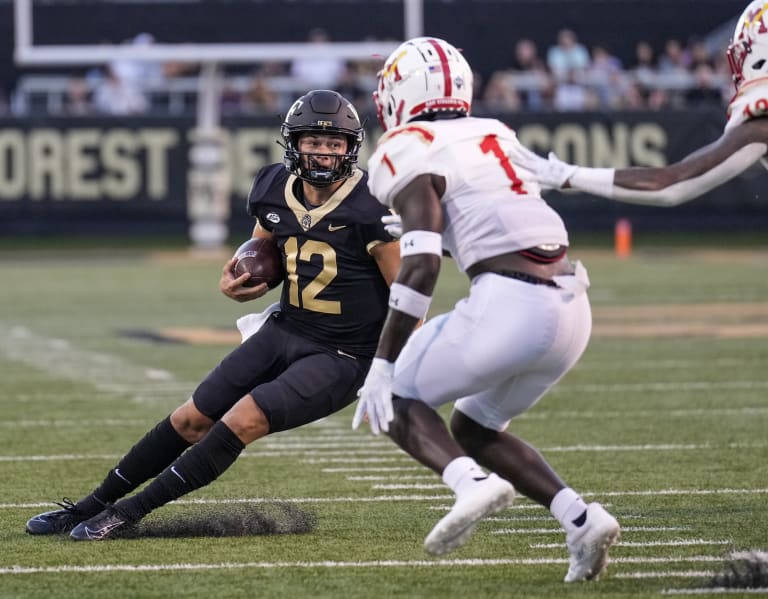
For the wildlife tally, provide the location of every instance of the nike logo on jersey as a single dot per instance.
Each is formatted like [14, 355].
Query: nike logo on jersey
[332, 228]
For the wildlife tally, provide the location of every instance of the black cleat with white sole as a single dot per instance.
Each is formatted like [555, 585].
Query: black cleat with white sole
[57, 521]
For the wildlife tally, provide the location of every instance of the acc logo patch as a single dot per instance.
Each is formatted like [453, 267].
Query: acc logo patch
[273, 217]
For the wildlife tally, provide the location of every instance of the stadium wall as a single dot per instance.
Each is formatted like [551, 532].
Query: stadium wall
[130, 176]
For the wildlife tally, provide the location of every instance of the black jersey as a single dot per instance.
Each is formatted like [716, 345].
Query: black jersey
[333, 291]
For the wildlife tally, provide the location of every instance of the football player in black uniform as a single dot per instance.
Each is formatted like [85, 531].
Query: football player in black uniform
[306, 361]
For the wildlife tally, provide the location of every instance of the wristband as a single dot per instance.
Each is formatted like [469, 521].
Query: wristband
[421, 242]
[409, 301]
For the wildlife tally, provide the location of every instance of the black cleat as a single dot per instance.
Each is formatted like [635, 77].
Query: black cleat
[108, 524]
[57, 521]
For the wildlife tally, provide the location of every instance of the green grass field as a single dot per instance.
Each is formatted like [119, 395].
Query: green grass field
[665, 420]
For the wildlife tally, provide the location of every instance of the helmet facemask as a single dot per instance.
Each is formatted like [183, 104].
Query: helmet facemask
[748, 52]
[322, 112]
[312, 167]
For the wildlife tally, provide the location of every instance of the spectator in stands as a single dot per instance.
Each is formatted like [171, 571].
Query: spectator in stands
[568, 56]
[674, 58]
[140, 73]
[634, 97]
[644, 70]
[699, 54]
[500, 95]
[260, 98]
[658, 99]
[572, 95]
[318, 71]
[605, 75]
[230, 99]
[645, 59]
[77, 99]
[117, 96]
[531, 74]
[706, 91]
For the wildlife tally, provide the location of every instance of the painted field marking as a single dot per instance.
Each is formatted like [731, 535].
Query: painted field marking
[395, 454]
[716, 591]
[108, 373]
[105, 422]
[444, 497]
[393, 476]
[663, 387]
[672, 543]
[665, 574]
[375, 469]
[17, 569]
[558, 530]
[630, 415]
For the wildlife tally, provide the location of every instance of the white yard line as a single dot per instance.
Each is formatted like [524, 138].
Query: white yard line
[620, 388]
[415, 497]
[716, 591]
[558, 530]
[18, 569]
[665, 574]
[392, 453]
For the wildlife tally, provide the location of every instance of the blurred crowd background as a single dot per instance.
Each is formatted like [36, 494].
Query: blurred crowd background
[127, 147]
[583, 57]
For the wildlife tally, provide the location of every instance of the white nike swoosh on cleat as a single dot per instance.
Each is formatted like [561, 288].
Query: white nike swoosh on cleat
[102, 532]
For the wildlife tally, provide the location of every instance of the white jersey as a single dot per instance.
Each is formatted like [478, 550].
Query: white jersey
[490, 205]
[750, 102]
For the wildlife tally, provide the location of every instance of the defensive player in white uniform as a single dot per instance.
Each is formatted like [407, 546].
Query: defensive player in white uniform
[743, 142]
[525, 323]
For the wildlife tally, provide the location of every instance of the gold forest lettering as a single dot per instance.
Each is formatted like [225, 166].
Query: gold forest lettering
[614, 145]
[85, 164]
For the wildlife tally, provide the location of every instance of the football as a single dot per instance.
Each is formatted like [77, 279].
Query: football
[261, 259]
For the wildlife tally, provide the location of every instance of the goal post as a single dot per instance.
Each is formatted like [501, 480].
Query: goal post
[207, 182]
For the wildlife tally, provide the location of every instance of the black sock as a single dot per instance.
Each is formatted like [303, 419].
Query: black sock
[201, 465]
[145, 460]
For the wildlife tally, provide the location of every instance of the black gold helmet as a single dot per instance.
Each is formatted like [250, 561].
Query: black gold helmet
[321, 111]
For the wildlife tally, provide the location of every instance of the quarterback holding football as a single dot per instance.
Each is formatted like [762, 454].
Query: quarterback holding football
[309, 354]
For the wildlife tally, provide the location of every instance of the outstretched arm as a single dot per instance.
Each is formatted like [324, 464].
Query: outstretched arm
[710, 166]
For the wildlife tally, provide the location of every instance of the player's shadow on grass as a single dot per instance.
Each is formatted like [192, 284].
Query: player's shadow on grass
[234, 520]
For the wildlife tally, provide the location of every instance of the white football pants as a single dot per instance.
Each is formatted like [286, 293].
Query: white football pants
[500, 349]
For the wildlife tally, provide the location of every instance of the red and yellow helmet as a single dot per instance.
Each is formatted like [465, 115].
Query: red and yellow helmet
[748, 52]
[423, 76]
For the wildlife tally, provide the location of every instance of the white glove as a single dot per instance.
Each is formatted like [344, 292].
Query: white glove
[393, 225]
[550, 172]
[375, 397]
